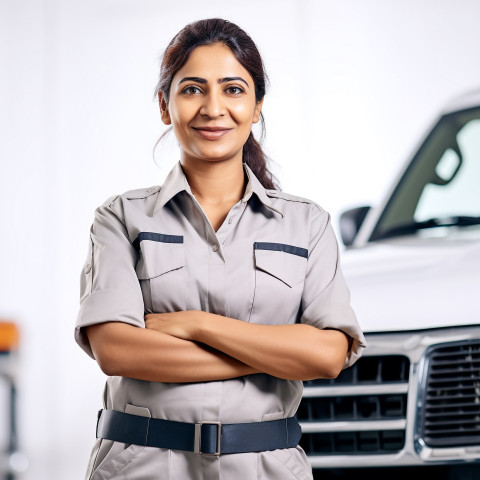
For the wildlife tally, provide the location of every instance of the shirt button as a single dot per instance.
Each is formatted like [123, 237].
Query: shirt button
[230, 220]
[88, 269]
[214, 247]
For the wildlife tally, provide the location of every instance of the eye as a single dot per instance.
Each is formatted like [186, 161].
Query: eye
[192, 90]
[235, 90]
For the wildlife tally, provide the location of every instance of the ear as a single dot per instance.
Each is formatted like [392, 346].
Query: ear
[257, 111]
[165, 115]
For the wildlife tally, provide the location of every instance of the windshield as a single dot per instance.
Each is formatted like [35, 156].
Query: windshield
[441, 187]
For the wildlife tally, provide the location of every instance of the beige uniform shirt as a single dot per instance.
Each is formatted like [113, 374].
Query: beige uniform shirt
[274, 260]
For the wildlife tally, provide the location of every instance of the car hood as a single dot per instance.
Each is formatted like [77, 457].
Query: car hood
[417, 282]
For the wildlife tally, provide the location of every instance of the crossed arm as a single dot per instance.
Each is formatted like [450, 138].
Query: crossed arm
[192, 346]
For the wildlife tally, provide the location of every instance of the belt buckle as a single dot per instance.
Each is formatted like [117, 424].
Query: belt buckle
[197, 441]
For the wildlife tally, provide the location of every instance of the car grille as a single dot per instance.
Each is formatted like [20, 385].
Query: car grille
[451, 406]
[363, 411]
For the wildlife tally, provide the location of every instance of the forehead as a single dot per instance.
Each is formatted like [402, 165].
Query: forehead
[213, 62]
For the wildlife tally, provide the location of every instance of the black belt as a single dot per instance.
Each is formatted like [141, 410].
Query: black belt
[210, 438]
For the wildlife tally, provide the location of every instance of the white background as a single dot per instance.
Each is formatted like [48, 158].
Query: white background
[354, 84]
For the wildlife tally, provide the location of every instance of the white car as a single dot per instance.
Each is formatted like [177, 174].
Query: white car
[413, 268]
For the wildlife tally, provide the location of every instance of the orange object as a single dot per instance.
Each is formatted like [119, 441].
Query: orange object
[8, 336]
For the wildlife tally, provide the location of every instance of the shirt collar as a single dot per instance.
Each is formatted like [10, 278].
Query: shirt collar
[176, 182]
[254, 186]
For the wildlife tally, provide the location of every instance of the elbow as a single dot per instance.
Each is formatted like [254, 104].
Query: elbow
[334, 366]
[107, 358]
[326, 369]
[333, 371]
[108, 364]
[330, 360]
[108, 368]
[105, 345]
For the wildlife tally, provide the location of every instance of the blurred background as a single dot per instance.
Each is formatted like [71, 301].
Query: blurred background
[354, 85]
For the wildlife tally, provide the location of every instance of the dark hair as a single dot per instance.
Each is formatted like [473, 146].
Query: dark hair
[208, 32]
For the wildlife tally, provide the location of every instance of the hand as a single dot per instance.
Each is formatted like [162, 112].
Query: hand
[183, 324]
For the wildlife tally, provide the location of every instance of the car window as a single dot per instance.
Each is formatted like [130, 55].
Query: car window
[441, 185]
[461, 195]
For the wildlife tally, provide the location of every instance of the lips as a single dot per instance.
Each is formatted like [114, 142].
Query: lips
[211, 133]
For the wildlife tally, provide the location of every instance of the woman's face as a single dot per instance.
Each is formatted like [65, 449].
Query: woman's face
[212, 105]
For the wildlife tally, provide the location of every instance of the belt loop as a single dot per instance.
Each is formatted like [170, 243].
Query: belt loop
[99, 414]
[286, 431]
[197, 438]
[146, 433]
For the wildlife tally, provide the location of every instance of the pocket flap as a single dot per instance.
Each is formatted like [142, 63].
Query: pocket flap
[288, 267]
[157, 256]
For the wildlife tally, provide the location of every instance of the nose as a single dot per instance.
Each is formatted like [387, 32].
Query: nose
[213, 105]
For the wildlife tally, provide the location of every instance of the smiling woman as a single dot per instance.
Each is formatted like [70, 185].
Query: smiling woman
[209, 299]
[211, 105]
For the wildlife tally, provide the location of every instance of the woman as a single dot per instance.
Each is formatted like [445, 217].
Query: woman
[209, 299]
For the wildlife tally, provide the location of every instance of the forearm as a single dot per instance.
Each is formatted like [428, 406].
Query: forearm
[128, 351]
[295, 352]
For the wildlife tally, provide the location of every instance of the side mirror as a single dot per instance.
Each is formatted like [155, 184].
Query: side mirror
[350, 223]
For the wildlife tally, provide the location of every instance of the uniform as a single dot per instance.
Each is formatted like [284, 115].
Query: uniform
[274, 260]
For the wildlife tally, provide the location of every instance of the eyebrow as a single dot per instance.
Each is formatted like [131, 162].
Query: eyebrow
[220, 80]
[231, 79]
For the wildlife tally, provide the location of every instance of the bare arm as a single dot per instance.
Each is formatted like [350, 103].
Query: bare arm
[295, 352]
[124, 350]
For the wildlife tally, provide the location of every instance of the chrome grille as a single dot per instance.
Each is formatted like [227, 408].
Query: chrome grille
[341, 443]
[371, 396]
[368, 370]
[451, 404]
[354, 408]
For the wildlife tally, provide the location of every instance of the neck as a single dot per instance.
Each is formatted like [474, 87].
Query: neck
[215, 182]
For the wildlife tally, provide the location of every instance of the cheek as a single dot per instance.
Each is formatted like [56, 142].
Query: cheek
[243, 114]
[179, 118]
[180, 122]
[182, 111]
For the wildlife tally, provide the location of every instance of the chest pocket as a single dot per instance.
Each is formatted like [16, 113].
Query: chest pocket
[161, 271]
[279, 276]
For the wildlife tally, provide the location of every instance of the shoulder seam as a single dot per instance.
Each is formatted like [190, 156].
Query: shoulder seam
[319, 208]
[140, 192]
[108, 202]
[288, 197]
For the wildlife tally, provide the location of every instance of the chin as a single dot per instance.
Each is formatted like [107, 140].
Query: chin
[216, 156]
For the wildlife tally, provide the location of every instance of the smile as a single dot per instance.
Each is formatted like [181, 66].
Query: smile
[211, 133]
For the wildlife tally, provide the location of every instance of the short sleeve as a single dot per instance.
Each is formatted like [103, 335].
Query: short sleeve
[110, 291]
[326, 298]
